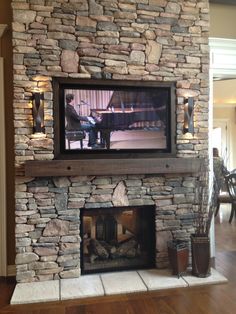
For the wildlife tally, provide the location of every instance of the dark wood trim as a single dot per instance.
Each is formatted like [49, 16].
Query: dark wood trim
[47, 168]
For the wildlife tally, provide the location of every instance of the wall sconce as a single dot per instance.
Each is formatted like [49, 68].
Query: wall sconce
[38, 112]
[188, 115]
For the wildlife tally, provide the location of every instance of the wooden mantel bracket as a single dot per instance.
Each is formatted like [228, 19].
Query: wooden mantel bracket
[52, 168]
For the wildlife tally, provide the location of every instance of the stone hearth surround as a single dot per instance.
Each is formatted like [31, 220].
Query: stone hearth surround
[157, 40]
[108, 284]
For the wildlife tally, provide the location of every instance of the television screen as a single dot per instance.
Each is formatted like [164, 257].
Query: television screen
[115, 117]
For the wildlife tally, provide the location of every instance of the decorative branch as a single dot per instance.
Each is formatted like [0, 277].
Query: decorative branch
[206, 201]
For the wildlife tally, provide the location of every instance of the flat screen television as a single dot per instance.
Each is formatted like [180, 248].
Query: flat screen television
[108, 117]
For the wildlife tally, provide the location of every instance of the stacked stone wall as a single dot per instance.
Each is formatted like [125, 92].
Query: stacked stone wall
[152, 40]
[48, 217]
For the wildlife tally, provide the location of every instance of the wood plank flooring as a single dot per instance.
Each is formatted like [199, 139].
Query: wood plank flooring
[212, 299]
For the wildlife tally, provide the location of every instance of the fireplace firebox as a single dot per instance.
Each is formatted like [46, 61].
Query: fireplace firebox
[117, 238]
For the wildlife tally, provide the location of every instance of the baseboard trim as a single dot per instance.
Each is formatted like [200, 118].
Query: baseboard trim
[213, 262]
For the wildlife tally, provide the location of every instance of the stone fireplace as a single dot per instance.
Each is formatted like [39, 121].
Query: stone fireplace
[142, 40]
[53, 228]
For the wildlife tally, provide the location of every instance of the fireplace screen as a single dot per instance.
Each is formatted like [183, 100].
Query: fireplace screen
[117, 238]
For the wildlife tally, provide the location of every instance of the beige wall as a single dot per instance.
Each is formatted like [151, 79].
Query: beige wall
[222, 21]
[226, 111]
[225, 92]
[2, 177]
[6, 53]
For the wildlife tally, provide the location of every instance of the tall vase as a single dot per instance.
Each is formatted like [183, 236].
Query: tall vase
[178, 253]
[201, 259]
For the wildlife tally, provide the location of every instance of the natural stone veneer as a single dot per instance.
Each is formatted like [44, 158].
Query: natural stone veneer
[48, 240]
[156, 40]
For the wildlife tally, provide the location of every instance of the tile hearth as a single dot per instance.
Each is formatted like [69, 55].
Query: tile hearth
[107, 284]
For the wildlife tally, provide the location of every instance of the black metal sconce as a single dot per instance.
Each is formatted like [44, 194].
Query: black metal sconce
[188, 115]
[38, 113]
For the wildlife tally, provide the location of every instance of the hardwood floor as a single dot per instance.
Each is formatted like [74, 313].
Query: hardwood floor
[212, 299]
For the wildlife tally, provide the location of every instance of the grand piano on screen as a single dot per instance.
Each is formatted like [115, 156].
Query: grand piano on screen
[129, 111]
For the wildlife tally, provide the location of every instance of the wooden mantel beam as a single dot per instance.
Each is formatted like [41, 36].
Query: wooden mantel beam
[43, 168]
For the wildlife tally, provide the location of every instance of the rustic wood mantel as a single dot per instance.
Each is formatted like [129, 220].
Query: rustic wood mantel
[51, 168]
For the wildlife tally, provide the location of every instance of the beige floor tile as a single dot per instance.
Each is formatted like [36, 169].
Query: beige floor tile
[82, 287]
[122, 282]
[35, 292]
[214, 278]
[157, 279]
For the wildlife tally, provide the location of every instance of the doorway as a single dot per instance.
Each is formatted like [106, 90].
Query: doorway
[221, 140]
